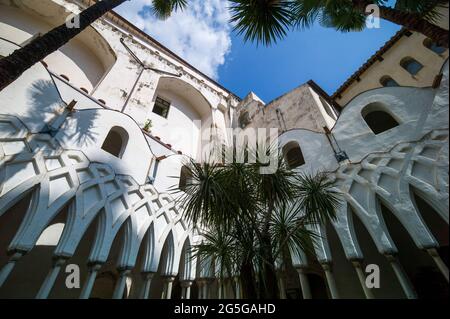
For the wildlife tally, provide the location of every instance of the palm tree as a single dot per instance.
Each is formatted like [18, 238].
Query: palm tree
[13, 66]
[266, 21]
[237, 200]
[222, 247]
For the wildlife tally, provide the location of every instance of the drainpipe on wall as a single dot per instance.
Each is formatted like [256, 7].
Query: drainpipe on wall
[340, 155]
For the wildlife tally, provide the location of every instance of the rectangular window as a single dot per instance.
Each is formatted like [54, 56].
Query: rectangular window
[161, 107]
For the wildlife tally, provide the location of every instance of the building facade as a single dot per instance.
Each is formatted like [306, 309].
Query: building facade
[94, 137]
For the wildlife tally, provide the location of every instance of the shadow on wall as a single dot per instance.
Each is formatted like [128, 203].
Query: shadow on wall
[44, 99]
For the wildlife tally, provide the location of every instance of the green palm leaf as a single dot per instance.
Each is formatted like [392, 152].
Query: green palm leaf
[162, 9]
[261, 21]
[317, 198]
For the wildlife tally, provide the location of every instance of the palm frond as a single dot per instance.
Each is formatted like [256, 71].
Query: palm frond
[261, 21]
[317, 197]
[341, 15]
[277, 187]
[306, 12]
[427, 9]
[289, 232]
[204, 199]
[221, 247]
[162, 9]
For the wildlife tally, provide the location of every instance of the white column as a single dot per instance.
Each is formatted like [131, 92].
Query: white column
[438, 260]
[8, 268]
[121, 283]
[330, 281]
[200, 284]
[362, 279]
[228, 288]
[49, 281]
[168, 286]
[205, 289]
[186, 289]
[304, 284]
[220, 289]
[402, 277]
[281, 286]
[237, 283]
[89, 284]
[147, 282]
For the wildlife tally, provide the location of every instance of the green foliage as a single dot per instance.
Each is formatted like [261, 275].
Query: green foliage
[148, 125]
[428, 9]
[239, 207]
[267, 21]
[164, 8]
[262, 21]
[317, 198]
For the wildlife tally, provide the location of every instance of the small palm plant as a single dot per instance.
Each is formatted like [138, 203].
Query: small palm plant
[248, 218]
[148, 125]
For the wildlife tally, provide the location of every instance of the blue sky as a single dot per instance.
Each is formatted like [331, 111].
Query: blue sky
[324, 55]
[203, 36]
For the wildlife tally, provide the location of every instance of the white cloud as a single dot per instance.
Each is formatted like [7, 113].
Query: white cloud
[200, 34]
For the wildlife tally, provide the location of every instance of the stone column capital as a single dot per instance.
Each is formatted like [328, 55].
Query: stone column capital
[16, 255]
[326, 266]
[357, 263]
[186, 283]
[391, 258]
[147, 275]
[301, 269]
[124, 272]
[59, 261]
[95, 266]
[169, 278]
[433, 252]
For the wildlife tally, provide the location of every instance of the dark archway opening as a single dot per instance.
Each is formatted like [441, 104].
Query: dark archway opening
[427, 280]
[345, 275]
[380, 121]
[389, 286]
[435, 223]
[116, 142]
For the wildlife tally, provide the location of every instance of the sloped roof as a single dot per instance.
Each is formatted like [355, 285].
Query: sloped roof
[378, 56]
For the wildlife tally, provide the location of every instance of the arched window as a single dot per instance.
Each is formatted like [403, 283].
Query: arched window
[244, 119]
[411, 65]
[378, 119]
[387, 81]
[293, 155]
[116, 142]
[433, 46]
[185, 178]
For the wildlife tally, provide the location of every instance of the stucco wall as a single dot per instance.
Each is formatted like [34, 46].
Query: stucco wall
[84, 60]
[299, 108]
[390, 66]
